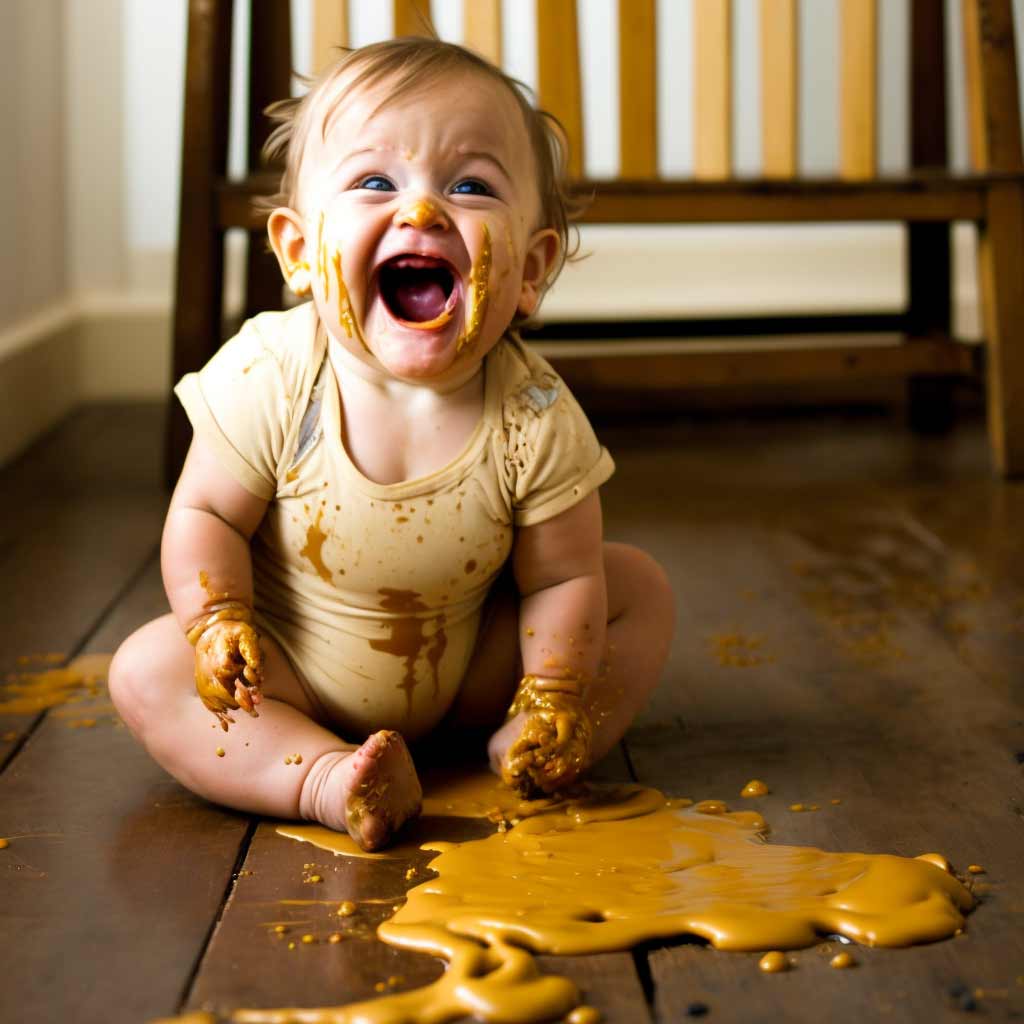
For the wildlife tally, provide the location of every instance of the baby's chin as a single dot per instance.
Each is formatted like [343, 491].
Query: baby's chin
[421, 356]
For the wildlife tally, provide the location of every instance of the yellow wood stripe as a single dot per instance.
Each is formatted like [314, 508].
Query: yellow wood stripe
[778, 88]
[482, 28]
[712, 62]
[412, 17]
[858, 44]
[330, 30]
[558, 72]
[993, 104]
[638, 96]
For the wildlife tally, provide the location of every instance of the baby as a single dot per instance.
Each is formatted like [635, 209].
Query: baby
[388, 523]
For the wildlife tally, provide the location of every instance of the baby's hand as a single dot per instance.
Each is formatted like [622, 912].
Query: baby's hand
[229, 668]
[545, 746]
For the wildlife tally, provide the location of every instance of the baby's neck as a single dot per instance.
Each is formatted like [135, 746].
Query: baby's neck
[467, 378]
[395, 430]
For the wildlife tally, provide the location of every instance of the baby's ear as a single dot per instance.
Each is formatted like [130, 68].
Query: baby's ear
[541, 253]
[288, 240]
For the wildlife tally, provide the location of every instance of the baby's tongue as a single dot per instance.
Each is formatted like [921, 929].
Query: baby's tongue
[419, 299]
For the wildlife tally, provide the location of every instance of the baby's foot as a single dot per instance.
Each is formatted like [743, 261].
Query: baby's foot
[369, 792]
[382, 790]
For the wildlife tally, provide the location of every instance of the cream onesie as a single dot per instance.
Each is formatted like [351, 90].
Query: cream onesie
[374, 591]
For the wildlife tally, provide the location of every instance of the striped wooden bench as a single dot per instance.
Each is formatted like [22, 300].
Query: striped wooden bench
[916, 344]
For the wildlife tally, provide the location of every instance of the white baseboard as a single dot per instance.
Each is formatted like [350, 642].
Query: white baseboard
[38, 378]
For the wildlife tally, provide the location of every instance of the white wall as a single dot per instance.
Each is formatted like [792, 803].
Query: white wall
[32, 201]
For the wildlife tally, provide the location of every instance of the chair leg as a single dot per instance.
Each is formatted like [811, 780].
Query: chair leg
[270, 75]
[199, 289]
[1001, 277]
[931, 406]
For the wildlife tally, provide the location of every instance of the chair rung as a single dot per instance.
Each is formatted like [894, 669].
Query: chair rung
[616, 201]
[685, 201]
[698, 365]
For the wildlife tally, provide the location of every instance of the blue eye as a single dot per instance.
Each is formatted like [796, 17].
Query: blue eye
[471, 187]
[376, 183]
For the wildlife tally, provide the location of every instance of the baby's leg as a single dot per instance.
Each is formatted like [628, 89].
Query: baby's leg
[641, 621]
[281, 764]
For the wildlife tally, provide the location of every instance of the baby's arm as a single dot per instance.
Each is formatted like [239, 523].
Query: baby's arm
[207, 572]
[559, 571]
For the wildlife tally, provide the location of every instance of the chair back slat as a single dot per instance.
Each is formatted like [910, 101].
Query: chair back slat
[992, 99]
[482, 28]
[712, 88]
[558, 72]
[330, 30]
[411, 17]
[858, 106]
[638, 90]
[778, 88]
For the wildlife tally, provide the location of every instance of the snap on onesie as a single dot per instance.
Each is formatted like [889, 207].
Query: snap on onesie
[374, 591]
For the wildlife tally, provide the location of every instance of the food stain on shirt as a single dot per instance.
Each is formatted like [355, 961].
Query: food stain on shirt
[613, 866]
[313, 550]
[408, 639]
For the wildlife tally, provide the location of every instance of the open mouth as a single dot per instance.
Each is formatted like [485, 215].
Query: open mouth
[419, 291]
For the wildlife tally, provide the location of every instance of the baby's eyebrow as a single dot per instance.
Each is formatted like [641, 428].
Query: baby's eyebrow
[354, 153]
[477, 154]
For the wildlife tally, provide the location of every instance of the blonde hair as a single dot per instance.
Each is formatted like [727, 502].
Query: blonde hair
[410, 63]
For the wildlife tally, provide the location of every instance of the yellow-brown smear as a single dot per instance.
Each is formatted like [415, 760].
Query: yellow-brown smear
[321, 258]
[408, 639]
[29, 692]
[213, 596]
[420, 214]
[313, 550]
[616, 866]
[553, 746]
[735, 650]
[476, 300]
[344, 307]
[773, 962]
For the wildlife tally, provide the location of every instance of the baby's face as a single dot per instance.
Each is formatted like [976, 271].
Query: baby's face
[419, 227]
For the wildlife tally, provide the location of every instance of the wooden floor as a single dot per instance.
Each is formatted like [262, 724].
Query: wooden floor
[851, 626]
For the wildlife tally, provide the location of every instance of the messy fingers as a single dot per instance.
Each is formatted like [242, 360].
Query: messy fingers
[243, 697]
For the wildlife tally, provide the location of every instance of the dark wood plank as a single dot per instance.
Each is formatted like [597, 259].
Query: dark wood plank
[115, 873]
[82, 514]
[851, 691]
[982, 614]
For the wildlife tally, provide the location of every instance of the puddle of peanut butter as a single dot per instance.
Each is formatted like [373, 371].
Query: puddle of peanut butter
[28, 692]
[612, 867]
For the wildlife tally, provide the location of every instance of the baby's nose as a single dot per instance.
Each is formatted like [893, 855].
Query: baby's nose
[421, 214]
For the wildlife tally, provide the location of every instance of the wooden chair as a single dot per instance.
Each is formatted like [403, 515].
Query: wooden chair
[928, 199]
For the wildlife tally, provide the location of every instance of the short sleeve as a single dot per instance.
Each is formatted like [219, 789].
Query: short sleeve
[553, 459]
[239, 404]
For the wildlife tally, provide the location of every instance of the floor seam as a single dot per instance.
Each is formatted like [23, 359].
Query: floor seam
[229, 891]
